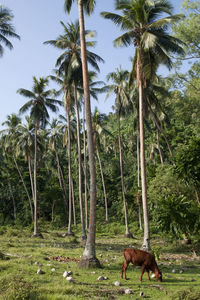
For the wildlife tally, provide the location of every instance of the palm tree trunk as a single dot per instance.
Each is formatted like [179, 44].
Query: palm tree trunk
[73, 202]
[35, 233]
[89, 255]
[85, 170]
[146, 243]
[30, 175]
[103, 184]
[138, 178]
[128, 234]
[159, 149]
[79, 165]
[64, 188]
[69, 231]
[24, 185]
[32, 186]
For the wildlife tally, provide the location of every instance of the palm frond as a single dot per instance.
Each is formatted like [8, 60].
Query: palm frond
[89, 6]
[117, 19]
[68, 5]
[125, 39]
[26, 93]
[166, 21]
[25, 107]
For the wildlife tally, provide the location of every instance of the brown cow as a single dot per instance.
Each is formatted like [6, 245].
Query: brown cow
[141, 258]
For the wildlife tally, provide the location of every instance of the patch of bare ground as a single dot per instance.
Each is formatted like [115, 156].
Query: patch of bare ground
[65, 259]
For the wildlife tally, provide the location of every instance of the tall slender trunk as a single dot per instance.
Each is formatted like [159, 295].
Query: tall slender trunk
[69, 231]
[35, 233]
[128, 234]
[24, 185]
[146, 242]
[61, 182]
[103, 183]
[138, 178]
[31, 181]
[90, 251]
[79, 165]
[73, 201]
[64, 187]
[159, 149]
[85, 170]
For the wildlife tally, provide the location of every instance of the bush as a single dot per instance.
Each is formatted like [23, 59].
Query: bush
[176, 215]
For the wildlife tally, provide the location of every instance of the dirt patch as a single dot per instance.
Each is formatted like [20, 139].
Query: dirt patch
[65, 259]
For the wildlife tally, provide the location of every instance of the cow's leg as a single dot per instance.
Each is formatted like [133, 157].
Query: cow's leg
[124, 267]
[143, 269]
[147, 270]
[122, 271]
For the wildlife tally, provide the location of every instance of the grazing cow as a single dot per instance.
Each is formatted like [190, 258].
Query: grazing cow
[141, 258]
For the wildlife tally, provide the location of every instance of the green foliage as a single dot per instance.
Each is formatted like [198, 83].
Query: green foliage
[156, 252]
[115, 228]
[164, 182]
[6, 28]
[189, 29]
[188, 162]
[176, 215]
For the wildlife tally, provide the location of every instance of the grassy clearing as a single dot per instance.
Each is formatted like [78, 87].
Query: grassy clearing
[24, 255]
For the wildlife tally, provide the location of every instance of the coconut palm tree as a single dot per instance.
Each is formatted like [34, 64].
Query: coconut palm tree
[69, 42]
[40, 101]
[69, 63]
[89, 255]
[153, 43]
[6, 29]
[79, 159]
[120, 87]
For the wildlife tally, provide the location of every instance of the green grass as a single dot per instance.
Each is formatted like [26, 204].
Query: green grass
[19, 279]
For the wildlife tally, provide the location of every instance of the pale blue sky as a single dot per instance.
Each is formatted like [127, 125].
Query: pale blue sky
[37, 21]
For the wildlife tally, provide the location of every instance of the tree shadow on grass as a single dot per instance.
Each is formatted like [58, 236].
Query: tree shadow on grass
[115, 247]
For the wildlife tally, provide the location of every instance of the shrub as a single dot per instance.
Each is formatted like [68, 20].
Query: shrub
[176, 215]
